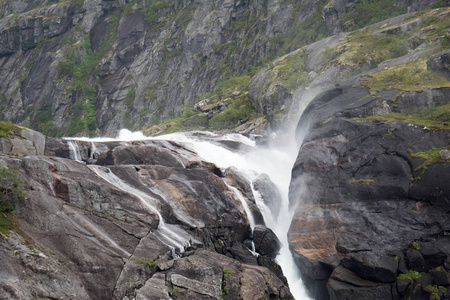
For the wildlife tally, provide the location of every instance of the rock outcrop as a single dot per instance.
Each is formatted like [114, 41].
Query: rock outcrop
[148, 219]
[367, 193]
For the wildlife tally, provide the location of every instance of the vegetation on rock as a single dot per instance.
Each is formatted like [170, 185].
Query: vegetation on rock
[411, 276]
[9, 130]
[11, 191]
[431, 157]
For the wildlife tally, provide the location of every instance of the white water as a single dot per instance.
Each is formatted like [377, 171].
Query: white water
[74, 150]
[276, 162]
[164, 233]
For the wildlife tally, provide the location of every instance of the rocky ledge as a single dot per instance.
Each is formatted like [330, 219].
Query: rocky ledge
[139, 220]
[370, 187]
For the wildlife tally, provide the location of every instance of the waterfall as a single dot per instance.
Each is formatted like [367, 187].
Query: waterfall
[251, 219]
[276, 162]
[75, 152]
[167, 235]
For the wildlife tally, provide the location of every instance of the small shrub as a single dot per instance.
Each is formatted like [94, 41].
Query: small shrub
[130, 97]
[398, 48]
[148, 262]
[9, 130]
[11, 188]
[329, 52]
[445, 41]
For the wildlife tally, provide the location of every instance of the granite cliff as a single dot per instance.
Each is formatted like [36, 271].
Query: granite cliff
[93, 67]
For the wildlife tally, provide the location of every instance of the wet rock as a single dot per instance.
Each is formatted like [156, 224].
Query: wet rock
[141, 155]
[357, 200]
[241, 253]
[266, 242]
[269, 193]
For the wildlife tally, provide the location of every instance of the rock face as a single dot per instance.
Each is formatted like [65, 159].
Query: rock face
[148, 220]
[365, 201]
[137, 60]
[138, 63]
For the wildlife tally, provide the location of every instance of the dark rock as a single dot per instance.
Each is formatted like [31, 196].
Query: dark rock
[344, 284]
[402, 286]
[440, 277]
[9, 41]
[243, 254]
[416, 261]
[352, 185]
[373, 267]
[266, 242]
[440, 64]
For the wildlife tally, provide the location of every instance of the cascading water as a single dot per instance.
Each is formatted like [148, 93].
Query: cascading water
[164, 233]
[74, 150]
[276, 162]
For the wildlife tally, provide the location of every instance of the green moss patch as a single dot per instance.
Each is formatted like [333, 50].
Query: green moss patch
[412, 76]
[411, 276]
[363, 47]
[437, 118]
[5, 224]
[290, 71]
[9, 130]
[430, 156]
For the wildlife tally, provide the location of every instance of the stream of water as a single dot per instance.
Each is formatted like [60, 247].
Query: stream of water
[276, 162]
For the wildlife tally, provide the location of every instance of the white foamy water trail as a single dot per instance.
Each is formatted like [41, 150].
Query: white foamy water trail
[166, 234]
[74, 150]
[248, 212]
[276, 162]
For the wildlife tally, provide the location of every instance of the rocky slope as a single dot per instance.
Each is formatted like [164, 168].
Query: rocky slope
[144, 220]
[370, 183]
[93, 67]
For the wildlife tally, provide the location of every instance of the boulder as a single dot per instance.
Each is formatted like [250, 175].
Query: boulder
[440, 64]
[266, 242]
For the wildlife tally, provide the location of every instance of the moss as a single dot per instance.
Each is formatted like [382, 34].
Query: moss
[290, 71]
[415, 245]
[227, 273]
[148, 262]
[431, 157]
[412, 76]
[9, 130]
[437, 118]
[363, 47]
[411, 276]
[130, 97]
[11, 191]
[435, 291]
[5, 224]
